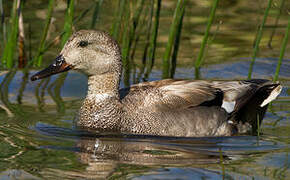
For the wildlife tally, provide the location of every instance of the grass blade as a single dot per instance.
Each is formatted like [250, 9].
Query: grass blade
[282, 51]
[199, 59]
[39, 57]
[68, 22]
[8, 53]
[152, 45]
[96, 13]
[259, 37]
[118, 19]
[3, 22]
[176, 46]
[276, 23]
[125, 48]
[172, 33]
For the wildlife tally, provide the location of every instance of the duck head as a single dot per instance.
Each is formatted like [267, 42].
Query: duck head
[92, 52]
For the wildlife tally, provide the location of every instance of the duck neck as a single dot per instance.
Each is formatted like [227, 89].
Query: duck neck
[105, 85]
[101, 109]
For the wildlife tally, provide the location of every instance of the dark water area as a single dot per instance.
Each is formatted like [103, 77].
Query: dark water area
[39, 140]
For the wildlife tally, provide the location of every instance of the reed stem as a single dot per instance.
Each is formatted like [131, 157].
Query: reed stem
[172, 34]
[68, 22]
[282, 51]
[276, 23]
[153, 40]
[258, 39]
[96, 13]
[125, 47]
[3, 22]
[176, 46]
[199, 59]
[118, 19]
[39, 57]
[9, 49]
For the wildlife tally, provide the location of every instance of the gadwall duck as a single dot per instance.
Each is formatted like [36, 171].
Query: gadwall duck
[163, 108]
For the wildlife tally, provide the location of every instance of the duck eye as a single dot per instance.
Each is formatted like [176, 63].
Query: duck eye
[83, 43]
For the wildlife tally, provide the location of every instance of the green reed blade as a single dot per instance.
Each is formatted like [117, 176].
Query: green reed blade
[39, 57]
[172, 33]
[68, 22]
[147, 40]
[96, 13]
[125, 47]
[136, 18]
[276, 23]
[57, 38]
[282, 51]
[29, 42]
[176, 45]
[118, 19]
[153, 40]
[3, 22]
[9, 49]
[137, 24]
[82, 15]
[199, 59]
[22, 60]
[126, 35]
[259, 37]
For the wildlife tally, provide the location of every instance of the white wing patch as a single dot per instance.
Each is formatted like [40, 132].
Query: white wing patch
[229, 106]
[272, 96]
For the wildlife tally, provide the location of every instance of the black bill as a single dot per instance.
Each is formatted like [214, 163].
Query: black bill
[58, 66]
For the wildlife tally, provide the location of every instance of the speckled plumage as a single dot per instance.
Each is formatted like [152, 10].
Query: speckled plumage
[166, 107]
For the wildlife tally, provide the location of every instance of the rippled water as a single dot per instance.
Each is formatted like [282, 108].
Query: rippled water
[39, 140]
[44, 143]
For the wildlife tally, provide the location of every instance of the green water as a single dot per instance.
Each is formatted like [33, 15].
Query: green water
[39, 140]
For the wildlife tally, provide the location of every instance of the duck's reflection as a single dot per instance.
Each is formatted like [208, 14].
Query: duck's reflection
[104, 155]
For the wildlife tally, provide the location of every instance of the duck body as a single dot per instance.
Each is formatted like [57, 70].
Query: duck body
[179, 108]
[164, 108]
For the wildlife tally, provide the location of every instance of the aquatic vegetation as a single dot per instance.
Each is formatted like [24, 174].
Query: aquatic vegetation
[175, 30]
[199, 59]
[258, 38]
[282, 51]
[39, 57]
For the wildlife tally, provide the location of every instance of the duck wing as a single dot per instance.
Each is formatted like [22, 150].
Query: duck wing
[171, 94]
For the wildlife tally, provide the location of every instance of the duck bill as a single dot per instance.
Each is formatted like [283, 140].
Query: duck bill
[59, 65]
